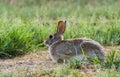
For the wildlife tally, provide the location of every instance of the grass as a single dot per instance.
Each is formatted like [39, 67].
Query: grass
[75, 68]
[25, 25]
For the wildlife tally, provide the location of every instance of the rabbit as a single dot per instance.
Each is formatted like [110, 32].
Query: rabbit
[62, 50]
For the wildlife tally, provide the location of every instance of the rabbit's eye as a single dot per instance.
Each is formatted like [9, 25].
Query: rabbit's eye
[50, 36]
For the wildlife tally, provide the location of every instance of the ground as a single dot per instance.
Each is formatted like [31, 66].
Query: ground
[34, 61]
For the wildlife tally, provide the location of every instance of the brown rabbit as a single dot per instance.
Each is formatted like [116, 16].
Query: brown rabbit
[63, 50]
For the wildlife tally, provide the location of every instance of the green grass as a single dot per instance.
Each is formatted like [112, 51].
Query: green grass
[25, 25]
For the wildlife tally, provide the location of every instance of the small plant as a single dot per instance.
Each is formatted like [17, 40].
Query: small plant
[65, 71]
[77, 62]
[112, 59]
[95, 60]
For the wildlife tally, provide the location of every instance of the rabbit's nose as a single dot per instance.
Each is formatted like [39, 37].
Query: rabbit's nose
[45, 42]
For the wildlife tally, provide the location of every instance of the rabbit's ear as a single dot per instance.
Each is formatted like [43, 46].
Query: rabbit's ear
[61, 27]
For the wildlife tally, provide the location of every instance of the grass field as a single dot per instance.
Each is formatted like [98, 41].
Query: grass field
[25, 25]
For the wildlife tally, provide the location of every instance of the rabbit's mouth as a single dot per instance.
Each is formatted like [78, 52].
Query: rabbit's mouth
[47, 45]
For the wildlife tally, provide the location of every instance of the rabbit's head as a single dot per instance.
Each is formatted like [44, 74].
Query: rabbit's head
[58, 36]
